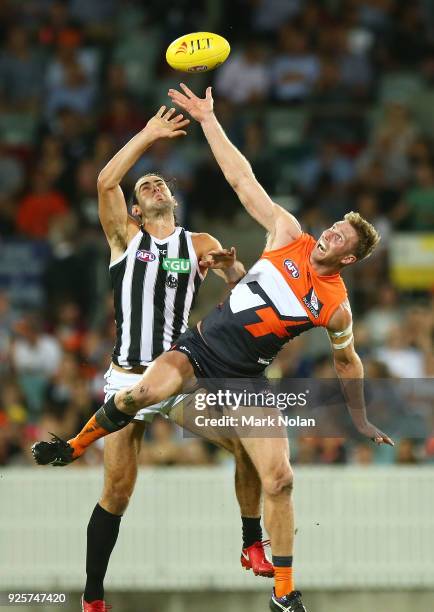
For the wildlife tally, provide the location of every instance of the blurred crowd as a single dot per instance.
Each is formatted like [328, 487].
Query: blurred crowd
[331, 101]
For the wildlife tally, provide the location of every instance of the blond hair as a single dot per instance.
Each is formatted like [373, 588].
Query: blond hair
[368, 237]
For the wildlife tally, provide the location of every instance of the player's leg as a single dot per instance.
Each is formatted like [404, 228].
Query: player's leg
[164, 378]
[247, 482]
[248, 489]
[247, 485]
[271, 458]
[120, 472]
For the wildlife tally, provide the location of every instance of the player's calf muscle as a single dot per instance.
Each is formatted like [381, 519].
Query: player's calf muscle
[116, 495]
[165, 377]
[131, 400]
[140, 396]
[121, 452]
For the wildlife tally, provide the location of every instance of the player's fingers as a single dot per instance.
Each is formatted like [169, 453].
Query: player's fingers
[176, 95]
[208, 94]
[218, 252]
[388, 440]
[178, 133]
[179, 100]
[182, 124]
[177, 118]
[187, 91]
[169, 114]
[161, 111]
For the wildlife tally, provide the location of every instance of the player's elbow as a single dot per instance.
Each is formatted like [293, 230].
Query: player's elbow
[105, 182]
[348, 366]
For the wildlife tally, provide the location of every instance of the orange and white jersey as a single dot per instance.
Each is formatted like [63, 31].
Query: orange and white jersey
[280, 297]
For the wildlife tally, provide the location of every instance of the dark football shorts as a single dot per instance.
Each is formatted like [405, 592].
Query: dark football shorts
[211, 369]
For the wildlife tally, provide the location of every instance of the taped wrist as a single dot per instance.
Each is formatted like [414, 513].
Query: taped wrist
[110, 418]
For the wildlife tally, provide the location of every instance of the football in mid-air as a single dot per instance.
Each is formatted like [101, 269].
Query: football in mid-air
[197, 52]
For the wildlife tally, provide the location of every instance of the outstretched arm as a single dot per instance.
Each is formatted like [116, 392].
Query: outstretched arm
[111, 202]
[223, 262]
[349, 369]
[280, 224]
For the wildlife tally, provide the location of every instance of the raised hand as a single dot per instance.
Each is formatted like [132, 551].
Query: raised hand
[377, 436]
[198, 108]
[166, 124]
[219, 259]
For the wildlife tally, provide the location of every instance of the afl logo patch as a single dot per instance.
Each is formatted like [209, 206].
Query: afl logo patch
[291, 268]
[145, 256]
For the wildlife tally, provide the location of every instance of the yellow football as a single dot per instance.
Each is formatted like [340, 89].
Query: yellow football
[197, 52]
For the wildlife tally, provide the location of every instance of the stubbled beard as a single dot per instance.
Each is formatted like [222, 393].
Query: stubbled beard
[158, 210]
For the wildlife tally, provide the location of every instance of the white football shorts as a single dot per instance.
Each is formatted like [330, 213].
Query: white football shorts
[116, 380]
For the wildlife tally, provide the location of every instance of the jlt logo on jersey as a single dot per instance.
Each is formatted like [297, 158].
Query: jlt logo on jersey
[312, 302]
[182, 266]
[291, 268]
[145, 256]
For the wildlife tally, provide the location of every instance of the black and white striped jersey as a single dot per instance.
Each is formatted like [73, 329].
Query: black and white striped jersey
[154, 285]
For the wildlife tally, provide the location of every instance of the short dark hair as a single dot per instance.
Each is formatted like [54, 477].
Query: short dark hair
[169, 182]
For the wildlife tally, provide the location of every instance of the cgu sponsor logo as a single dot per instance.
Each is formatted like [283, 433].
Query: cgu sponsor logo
[291, 268]
[182, 266]
[145, 256]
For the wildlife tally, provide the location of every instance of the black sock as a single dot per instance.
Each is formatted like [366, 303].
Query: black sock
[282, 561]
[112, 419]
[252, 531]
[102, 533]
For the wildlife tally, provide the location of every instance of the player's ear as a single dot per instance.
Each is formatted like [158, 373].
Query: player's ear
[136, 211]
[348, 259]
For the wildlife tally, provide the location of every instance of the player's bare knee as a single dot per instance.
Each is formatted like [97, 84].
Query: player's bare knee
[278, 481]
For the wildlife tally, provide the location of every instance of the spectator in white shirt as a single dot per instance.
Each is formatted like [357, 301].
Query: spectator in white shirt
[245, 76]
[33, 351]
[295, 69]
[384, 316]
[402, 359]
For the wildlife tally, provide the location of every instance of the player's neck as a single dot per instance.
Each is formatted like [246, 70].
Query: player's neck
[160, 227]
[325, 269]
